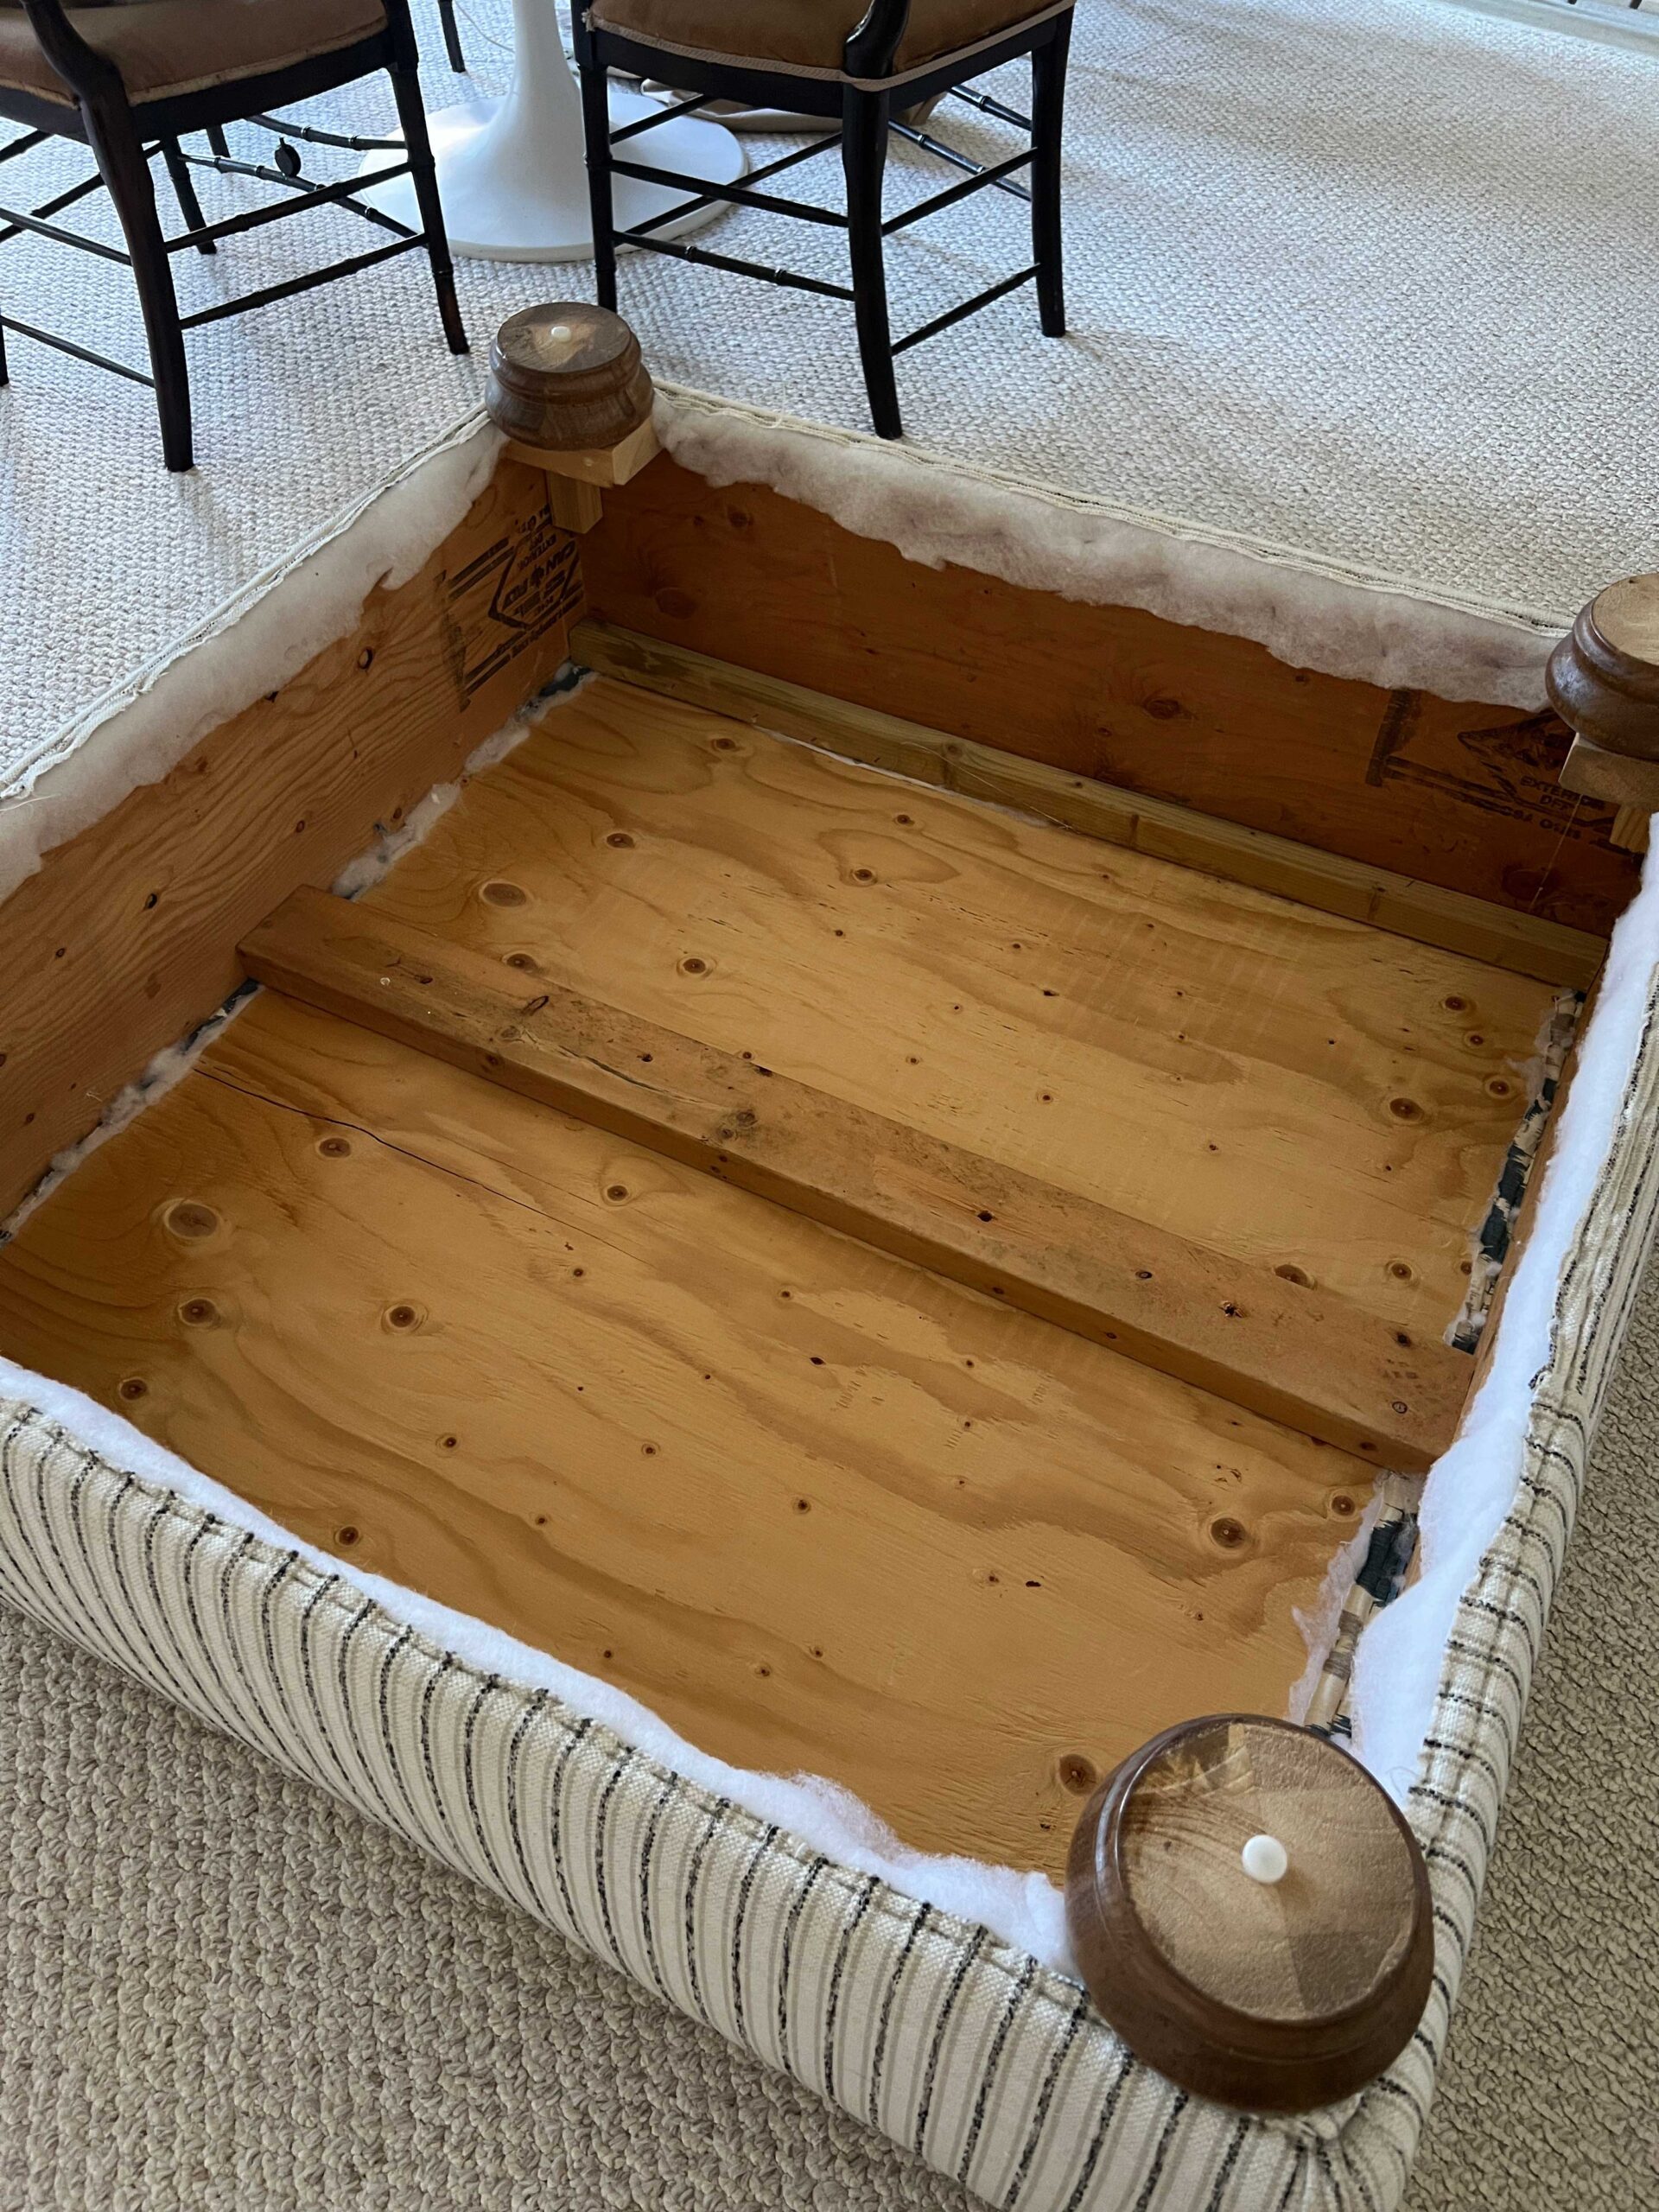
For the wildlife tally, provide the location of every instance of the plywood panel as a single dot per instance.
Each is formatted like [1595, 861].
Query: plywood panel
[1462, 795]
[1317, 1363]
[126, 938]
[1290, 1087]
[1425, 912]
[818, 1508]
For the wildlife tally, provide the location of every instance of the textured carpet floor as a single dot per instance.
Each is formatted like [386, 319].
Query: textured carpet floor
[1350, 281]
[219, 1990]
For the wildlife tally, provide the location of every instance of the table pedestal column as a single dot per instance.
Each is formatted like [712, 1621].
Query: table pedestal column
[512, 174]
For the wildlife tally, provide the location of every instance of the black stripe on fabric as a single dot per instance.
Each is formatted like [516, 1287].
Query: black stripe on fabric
[1521, 1532]
[1027, 1975]
[365, 1611]
[231, 1561]
[238, 1722]
[164, 1671]
[1097, 2141]
[577, 1736]
[161, 1674]
[532, 1712]
[648, 1852]
[918, 1921]
[486, 1690]
[120, 1643]
[1357, 2168]
[965, 1963]
[428, 1690]
[600, 1827]
[470, 1782]
[1160, 2155]
[1497, 1715]
[1468, 1754]
[790, 1925]
[1061, 2052]
[745, 1889]
[160, 1514]
[1517, 1571]
[1512, 1616]
[389, 1660]
[833, 2003]
[1234, 2144]
[694, 1876]
[1486, 1657]
[1395, 2085]
[1461, 1804]
[51, 1605]
[309, 1677]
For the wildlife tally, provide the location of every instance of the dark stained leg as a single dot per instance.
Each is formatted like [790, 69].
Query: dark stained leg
[1047, 132]
[864, 159]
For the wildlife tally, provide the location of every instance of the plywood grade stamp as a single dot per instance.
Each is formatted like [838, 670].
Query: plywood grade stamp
[502, 601]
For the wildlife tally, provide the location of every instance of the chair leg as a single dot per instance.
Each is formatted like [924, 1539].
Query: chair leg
[120, 155]
[596, 134]
[218, 140]
[1047, 134]
[406, 90]
[864, 158]
[184, 192]
[452, 36]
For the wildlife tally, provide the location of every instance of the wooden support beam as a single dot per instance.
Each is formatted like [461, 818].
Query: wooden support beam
[1459, 794]
[126, 937]
[1526, 945]
[1298, 1356]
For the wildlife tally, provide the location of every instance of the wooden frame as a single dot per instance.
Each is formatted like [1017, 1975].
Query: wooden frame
[126, 937]
[867, 1405]
[1462, 796]
[1523, 943]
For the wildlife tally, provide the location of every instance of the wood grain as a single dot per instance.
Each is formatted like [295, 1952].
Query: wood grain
[1314, 1363]
[1460, 795]
[1288, 1088]
[818, 1509]
[126, 937]
[1423, 911]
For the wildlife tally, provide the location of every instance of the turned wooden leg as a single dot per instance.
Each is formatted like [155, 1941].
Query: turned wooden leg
[1604, 681]
[568, 386]
[1252, 1914]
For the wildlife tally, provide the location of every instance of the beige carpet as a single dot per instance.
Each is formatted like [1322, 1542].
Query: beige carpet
[218, 1989]
[1361, 283]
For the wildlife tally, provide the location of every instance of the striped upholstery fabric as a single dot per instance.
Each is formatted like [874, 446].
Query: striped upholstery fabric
[994, 2068]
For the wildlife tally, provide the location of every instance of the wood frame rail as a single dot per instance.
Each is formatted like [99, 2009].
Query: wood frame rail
[1462, 795]
[1526, 945]
[125, 937]
[1314, 1363]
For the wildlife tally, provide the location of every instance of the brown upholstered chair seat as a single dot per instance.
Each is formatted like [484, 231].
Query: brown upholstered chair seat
[180, 46]
[806, 37]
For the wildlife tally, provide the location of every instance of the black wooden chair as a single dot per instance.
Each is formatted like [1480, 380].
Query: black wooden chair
[131, 78]
[860, 60]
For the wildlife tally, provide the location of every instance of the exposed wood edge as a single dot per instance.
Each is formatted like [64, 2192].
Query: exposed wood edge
[125, 937]
[1456, 923]
[1312, 1361]
[1526, 1218]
